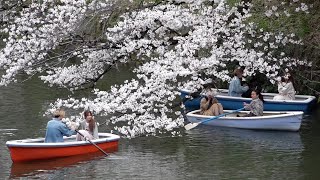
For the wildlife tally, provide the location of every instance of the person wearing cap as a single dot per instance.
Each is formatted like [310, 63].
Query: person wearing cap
[285, 88]
[235, 88]
[56, 129]
[210, 106]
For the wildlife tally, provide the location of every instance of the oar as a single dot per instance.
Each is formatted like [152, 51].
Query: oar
[193, 125]
[93, 143]
[103, 123]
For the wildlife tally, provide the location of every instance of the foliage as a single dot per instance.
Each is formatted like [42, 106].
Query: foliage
[302, 19]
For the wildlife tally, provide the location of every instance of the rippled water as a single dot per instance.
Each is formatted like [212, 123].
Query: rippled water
[202, 153]
[208, 153]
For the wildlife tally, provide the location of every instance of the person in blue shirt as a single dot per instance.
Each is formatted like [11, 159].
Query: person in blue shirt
[56, 129]
[235, 88]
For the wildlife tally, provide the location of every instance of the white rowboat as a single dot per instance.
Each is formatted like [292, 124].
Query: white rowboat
[271, 120]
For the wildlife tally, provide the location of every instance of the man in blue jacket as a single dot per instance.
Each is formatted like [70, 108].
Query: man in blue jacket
[56, 129]
[235, 88]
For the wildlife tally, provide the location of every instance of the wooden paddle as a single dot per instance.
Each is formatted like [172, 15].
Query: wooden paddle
[93, 143]
[105, 122]
[193, 125]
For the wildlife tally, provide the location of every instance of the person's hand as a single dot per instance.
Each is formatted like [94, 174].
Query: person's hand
[73, 126]
[245, 104]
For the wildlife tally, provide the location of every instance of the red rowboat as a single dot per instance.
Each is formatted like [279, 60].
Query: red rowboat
[36, 149]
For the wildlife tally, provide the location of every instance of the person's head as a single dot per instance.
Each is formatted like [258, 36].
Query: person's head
[88, 115]
[210, 94]
[238, 72]
[256, 94]
[89, 119]
[59, 113]
[287, 77]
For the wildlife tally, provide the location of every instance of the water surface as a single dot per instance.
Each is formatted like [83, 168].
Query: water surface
[202, 153]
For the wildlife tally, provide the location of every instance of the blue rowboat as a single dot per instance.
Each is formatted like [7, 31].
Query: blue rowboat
[301, 103]
[271, 120]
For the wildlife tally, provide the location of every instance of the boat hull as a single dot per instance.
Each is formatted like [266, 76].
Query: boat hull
[302, 102]
[284, 121]
[36, 149]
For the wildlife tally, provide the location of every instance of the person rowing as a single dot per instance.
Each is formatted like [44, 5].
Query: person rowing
[56, 129]
[256, 105]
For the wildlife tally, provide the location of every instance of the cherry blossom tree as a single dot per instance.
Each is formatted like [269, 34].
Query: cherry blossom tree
[172, 44]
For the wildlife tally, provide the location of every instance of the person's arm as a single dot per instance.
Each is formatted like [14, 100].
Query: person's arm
[204, 104]
[281, 88]
[285, 89]
[247, 106]
[65, 130]
[238, 88]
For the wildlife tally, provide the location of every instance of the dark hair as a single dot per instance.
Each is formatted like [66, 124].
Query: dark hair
[91, 122]
[290, 78]
[260, 96]
[238, 71]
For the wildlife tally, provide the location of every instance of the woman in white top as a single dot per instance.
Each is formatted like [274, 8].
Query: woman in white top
[285, 88]
[89, 128]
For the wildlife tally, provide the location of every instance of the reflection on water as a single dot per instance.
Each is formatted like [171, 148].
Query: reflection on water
[244, 153]
[34, 168]
[248, 139]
